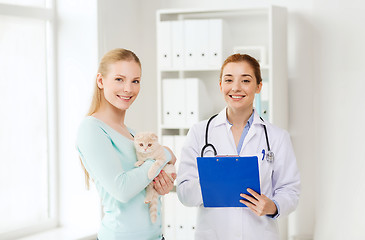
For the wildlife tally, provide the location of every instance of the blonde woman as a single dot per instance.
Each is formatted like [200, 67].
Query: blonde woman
[106, 149]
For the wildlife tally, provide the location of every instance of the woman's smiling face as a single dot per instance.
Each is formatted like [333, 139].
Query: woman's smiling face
[121, 84]
[239, 85]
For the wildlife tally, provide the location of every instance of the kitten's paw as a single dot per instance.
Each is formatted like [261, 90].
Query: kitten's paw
[147, 199]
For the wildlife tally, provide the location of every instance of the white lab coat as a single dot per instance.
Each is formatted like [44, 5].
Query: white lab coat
[280, 180]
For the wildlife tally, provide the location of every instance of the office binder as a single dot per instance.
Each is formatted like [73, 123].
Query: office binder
[194, 88]
[170, 213]
[190, 48]
[223, 179]
[167, 104]
[177, 44]
[197, 101]
[164, 45]
[181, 221]
[201, 47]
[215, 30]
[173, 102]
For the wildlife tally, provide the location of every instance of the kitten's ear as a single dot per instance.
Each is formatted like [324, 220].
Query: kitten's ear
[137, 137]
[153, 136]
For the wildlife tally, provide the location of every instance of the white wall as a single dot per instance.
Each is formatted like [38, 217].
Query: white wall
[340, 84]
[325, 69]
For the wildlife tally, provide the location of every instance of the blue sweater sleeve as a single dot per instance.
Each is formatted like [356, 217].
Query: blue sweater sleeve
[101, 160]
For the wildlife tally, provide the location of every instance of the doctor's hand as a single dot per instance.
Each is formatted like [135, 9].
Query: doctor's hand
[173, 157]
[163, 184]
[260, 204]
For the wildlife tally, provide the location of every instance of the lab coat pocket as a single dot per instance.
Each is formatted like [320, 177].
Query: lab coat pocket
[205, 235]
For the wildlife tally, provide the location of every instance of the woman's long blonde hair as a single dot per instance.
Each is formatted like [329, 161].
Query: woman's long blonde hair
[113, 56]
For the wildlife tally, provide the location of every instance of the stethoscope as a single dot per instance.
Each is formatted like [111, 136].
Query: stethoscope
[269, 155]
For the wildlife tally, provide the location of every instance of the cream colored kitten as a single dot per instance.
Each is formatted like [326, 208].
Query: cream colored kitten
[147, 147]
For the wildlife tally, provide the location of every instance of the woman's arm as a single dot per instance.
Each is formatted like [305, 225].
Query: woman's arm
[100, 159]
[173, 157]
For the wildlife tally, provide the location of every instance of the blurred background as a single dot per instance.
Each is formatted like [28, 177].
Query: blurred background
[49, 53]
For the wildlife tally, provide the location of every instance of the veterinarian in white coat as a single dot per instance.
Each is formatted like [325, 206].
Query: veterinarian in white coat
[238, 130]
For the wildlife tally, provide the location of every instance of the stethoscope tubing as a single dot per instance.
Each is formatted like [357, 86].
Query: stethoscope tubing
[206, 138]
[269, 154]
[267, 139]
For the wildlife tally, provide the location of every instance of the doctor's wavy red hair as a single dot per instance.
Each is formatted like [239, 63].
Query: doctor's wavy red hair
[243, 58]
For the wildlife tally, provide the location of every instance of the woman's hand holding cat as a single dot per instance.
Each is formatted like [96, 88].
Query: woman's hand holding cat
[163, 184]
[173, 157]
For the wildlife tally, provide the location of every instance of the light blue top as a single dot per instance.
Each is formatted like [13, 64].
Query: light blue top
[244, 133]
[109, 158]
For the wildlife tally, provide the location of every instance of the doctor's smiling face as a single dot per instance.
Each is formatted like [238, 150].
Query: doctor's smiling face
[239, 85]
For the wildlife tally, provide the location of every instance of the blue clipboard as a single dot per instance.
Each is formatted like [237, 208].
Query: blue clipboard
[223, 179]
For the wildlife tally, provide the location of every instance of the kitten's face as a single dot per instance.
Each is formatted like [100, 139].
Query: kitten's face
[145, 142]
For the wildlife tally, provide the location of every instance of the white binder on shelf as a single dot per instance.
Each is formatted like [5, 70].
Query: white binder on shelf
[198, 106]
[177, 28]
[215, 31]
[190, 32]
[173, 102]
[201, 28]
[181, 222]
[169, 221]
[203, 43]
[257, 52]
[164, 45]
[192, 101]
[167, 104]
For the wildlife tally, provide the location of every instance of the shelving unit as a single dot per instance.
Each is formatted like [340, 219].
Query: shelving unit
[227, 29]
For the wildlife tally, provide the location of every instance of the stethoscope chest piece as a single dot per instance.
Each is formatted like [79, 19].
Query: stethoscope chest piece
[270, 156]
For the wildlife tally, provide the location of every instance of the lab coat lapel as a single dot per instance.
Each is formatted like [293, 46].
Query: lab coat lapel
[223, 139]
[225, 142]
[251, 133]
